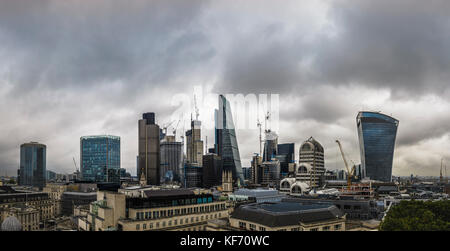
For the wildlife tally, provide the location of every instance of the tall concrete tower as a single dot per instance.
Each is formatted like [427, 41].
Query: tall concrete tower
[149, 148]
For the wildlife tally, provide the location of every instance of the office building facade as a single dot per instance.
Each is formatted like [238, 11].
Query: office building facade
[285, 155]
[212, 170]
[377, 133]
[33, 170]
[100, 158]
[171, 160]
[149, 149]
[311, 153]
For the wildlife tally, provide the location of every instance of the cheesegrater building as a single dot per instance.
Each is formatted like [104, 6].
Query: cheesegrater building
[226, 142]
[377, 133]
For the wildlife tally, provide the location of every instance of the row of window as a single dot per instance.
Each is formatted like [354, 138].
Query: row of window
[177, 222]
[176, 212]
[252, 227]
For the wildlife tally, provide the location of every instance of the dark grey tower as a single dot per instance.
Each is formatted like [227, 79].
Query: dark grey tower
[149, 149]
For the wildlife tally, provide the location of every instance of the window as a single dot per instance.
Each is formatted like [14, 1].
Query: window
[295, 229]
[175, 222]
[242, 225]
[163, 223]
[262, 229]
[144, 226]
[137, 227]
[181, 221]
[314, 229]
[337, 227]
[347, 207]
[252, 227]
[151, 225]
[326, 228]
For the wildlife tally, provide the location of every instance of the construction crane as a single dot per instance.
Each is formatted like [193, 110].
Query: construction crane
[175, 129]
[196, 108]
[260, 138]
[164, 127]
[75, 163]
[350, 172]
[441, 178]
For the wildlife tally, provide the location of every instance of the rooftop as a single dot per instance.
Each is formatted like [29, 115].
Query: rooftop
[286, 213]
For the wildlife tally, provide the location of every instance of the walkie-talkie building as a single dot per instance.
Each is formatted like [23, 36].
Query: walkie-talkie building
[226, 142]
[377, 133]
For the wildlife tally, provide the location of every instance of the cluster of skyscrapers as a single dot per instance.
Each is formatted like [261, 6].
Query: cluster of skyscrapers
[161, 158]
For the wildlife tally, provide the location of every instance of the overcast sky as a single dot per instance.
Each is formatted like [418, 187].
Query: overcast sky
[74, 68]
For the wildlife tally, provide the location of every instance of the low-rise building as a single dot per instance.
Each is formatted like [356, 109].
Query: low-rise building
[165, 209]
[287, 216]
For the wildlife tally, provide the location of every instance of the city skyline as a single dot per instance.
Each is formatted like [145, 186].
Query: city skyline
[68, 79]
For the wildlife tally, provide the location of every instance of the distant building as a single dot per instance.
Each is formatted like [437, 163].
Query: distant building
[258, 195]
[377, 133]
[149, 149]
[51, 176]
[256, 172]
[285, 154]
[32, 170]
[100, 158]
[226, 141]
[311, 153]
[247, 171]
[69, 200]
[270, 146]
[212, 170]
[270, 173]
[193, 175]
[171, 160]
[194, 144]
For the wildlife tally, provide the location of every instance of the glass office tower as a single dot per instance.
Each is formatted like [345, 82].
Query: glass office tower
[32, 170]
[377, 133]
[100, 158]
[226, 142]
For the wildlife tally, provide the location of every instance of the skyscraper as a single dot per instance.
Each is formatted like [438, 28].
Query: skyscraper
[171, 159]
[32, 170]
[194, 144]
[226, 141]
[270, 146]
[285, 155]
[149, 149]
[212, 170]
[377, 133]
[100, 158]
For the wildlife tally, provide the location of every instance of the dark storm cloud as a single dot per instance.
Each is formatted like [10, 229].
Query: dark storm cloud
[56, 44]
[402, 45]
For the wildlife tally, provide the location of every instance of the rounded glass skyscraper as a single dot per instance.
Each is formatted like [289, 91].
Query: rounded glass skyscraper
[377, 133]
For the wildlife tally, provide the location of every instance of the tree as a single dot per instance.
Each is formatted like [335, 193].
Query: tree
[418, 216]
